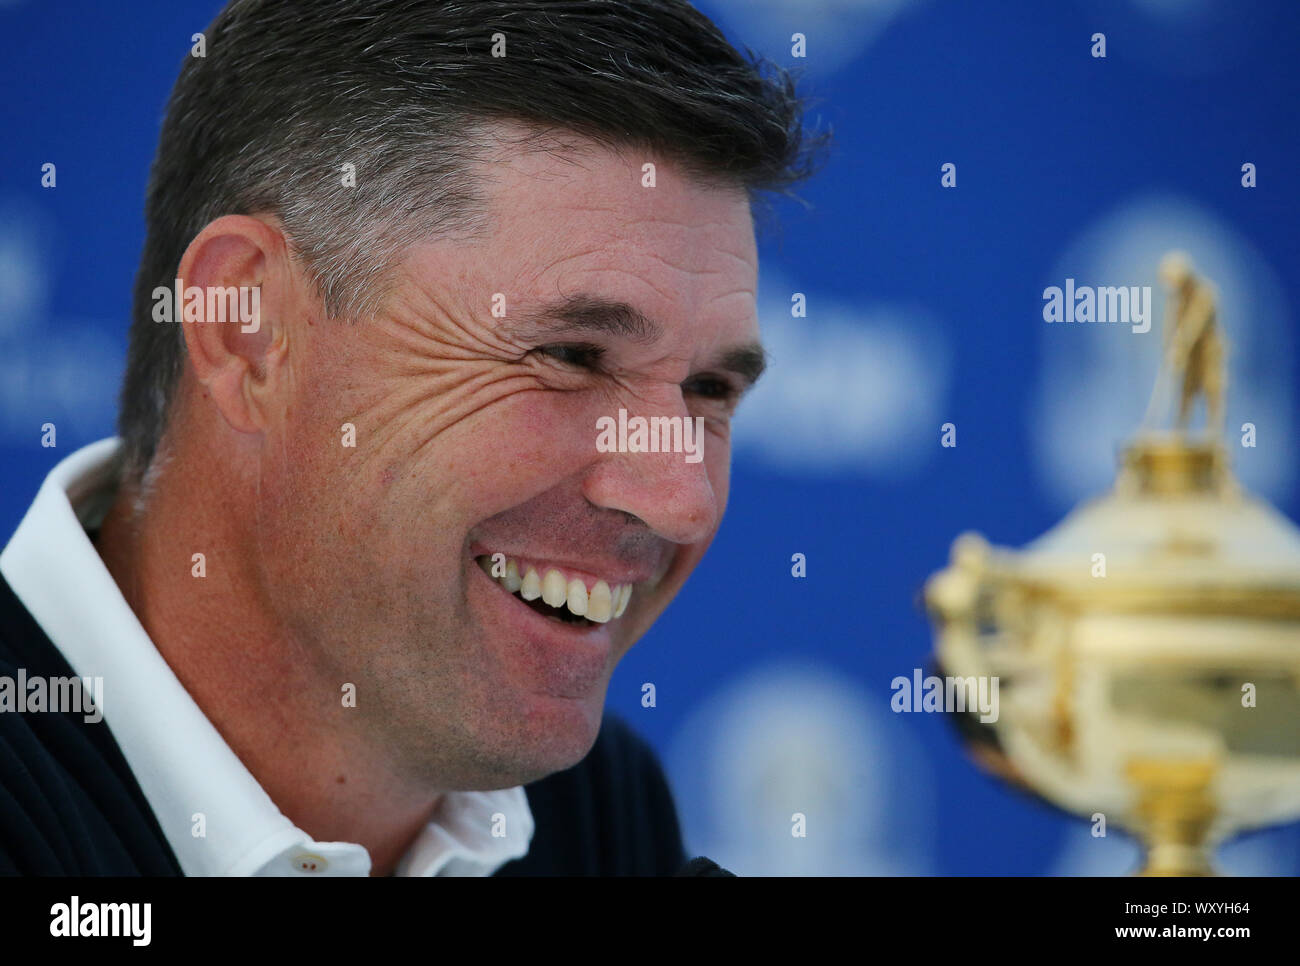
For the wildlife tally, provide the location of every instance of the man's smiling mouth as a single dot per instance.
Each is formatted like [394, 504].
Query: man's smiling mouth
[571, 599]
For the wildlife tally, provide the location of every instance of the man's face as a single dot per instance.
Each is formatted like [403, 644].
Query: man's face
[476, 433]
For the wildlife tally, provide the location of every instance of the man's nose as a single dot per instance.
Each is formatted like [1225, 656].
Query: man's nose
[672, 496]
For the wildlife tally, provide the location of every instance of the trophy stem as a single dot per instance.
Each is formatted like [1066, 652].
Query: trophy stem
[1175, 812]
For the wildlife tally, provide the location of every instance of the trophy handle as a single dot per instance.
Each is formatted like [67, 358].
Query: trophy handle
[953, 599]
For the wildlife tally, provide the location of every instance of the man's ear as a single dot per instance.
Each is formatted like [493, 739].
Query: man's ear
[237, 289]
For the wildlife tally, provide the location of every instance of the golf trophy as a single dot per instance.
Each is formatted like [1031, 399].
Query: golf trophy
[1147, 648]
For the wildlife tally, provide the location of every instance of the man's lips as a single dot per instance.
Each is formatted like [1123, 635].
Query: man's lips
[582, 595]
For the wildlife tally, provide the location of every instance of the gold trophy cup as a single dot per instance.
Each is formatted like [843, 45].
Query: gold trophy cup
[1147, 648]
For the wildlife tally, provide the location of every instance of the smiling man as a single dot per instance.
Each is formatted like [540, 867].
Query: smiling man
[356, 576]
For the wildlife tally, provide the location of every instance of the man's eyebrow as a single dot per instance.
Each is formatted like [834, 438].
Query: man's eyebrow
[746, 361]
[588, 313]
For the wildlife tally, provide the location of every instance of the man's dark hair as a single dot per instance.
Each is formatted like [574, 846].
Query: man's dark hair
[290, 91]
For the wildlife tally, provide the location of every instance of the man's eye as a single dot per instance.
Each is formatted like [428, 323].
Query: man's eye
[710, 387]
[582, 356]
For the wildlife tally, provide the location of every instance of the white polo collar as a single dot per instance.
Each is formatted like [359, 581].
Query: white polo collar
[189, 775]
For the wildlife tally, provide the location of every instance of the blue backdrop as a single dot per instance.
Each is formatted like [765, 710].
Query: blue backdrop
[924, 306]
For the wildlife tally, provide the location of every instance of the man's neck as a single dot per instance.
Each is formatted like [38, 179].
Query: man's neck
[258, 686]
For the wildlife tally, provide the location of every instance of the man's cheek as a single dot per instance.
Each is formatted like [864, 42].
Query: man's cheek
[718, 460]
[520, 446]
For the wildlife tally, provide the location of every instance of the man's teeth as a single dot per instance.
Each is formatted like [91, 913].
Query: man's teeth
[512, 580]
[599, 604]
[531, 587]
[553, 588]
[577, 596]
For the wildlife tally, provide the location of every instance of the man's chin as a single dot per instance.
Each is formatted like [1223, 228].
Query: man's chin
[512, 739]
[557, 733]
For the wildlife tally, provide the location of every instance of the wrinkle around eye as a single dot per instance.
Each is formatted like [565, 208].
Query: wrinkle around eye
[552, 375]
